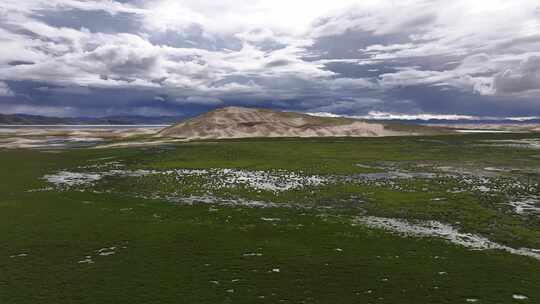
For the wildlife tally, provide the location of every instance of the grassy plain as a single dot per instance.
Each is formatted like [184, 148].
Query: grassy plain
[312, 252]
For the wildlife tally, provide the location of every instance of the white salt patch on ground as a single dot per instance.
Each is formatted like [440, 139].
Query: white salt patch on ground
[396, 175]
[87, 260]
[482, 188]
[270, 219]
[106, 251]
[103, 252]
[530, 143]
[441, 230]
[47, 142]
[494, 169]
[212, 200]
[482, 131]
[251, 254]
[365, 166]
[438, 199]
[20, 255]
[67, 178]
[519, 297]
[66, 136]
[130, 173]
[526, 206]
[126, 144]
[274, 181]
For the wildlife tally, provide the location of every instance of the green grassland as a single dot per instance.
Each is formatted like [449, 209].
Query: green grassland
[303, 249]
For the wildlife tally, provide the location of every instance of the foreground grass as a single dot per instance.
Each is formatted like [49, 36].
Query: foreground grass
[209, 254]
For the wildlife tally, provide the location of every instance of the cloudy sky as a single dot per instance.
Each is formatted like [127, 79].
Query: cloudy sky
[172, 57]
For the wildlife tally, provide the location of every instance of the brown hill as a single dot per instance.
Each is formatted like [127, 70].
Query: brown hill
[240, 122]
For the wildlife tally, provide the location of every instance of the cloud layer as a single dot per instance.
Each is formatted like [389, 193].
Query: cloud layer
[69, 57]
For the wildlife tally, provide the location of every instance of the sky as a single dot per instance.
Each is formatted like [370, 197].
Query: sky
[179, 57]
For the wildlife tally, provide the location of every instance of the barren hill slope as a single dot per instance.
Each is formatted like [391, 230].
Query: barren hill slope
[240, 122]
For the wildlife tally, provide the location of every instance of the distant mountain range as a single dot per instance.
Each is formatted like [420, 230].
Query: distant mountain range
[25, 119]
[465, 121]
[434, 119]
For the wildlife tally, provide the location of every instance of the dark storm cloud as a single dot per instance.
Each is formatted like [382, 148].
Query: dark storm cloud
[122, 61]
[194, 37]
[524, 77]
[277, 63]
[347, 44]
[20, 62]
[83, 101]
[346, 57]
[94, 21]
[441, 100]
